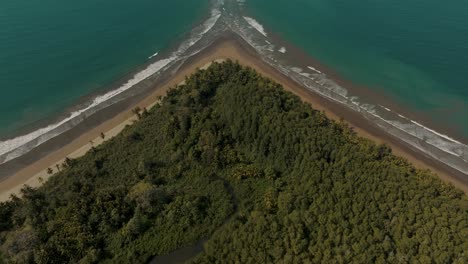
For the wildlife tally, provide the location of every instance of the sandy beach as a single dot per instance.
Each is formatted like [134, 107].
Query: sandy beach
[33, 170]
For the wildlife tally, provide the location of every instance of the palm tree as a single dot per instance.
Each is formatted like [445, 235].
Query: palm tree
[103, 136]
[145, 112]
[136, 111]
[50, 171]
[67, 162]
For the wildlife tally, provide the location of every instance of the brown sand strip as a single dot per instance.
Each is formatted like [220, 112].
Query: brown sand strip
[111, 121]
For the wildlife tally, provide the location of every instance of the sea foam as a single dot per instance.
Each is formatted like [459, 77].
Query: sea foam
[13, 148]
[15, 143]
[439, 146]
[254, 23]
[154, 55]
[427, 135]
[314, 69]
[435, 144]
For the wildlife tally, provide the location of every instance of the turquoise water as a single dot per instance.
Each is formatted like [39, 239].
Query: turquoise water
[54, 52]
[415, 52]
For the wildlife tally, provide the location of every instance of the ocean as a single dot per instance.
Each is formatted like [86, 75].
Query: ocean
[414, 52]
[62, 61]
[53, 53]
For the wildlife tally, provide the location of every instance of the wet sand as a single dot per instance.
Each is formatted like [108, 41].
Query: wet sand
[31, 169]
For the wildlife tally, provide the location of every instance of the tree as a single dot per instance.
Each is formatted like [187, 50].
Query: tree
[137, 111]
[68, 163]
[145, 112]
[232, 159]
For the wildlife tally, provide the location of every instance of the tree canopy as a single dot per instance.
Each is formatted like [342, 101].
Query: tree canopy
[231, 157]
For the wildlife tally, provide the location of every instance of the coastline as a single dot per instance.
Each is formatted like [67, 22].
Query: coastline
[137, 80]
[417, 129]
[111, 120]
[376, 96]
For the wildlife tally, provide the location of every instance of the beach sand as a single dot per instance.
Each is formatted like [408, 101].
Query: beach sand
[77, 142]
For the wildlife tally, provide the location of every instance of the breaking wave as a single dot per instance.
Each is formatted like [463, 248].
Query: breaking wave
[256, 25]
[436, 145]
[229, 16]
[15, 147]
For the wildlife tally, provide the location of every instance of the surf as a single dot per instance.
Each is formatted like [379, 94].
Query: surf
[229, 16]
[18, 146]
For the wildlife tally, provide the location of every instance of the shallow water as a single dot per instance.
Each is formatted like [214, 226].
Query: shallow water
[54, 52]
[377, 58]
[415, 52]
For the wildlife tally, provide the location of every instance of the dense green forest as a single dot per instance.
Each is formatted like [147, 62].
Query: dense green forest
[233, 158]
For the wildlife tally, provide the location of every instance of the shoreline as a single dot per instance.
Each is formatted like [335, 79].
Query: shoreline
[139, 79]
[29, 168]
[379, 97]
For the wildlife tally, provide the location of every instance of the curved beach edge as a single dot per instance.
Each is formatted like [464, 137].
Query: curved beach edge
[31, 169]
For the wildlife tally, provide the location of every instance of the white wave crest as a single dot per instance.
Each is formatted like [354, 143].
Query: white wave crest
[154, 55]
[12, 144]
[13, 148]
[314, 69]
[282, 50]
[437, 133]
[427, 135]
[428, 141]
[386, 108]
[254, 23]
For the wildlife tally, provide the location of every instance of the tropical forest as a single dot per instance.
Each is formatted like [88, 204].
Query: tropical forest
[233, 161]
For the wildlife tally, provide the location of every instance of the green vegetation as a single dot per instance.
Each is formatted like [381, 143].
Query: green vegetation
[232, 157]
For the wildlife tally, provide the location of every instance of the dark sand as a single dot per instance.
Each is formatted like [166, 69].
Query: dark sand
[24, 169]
